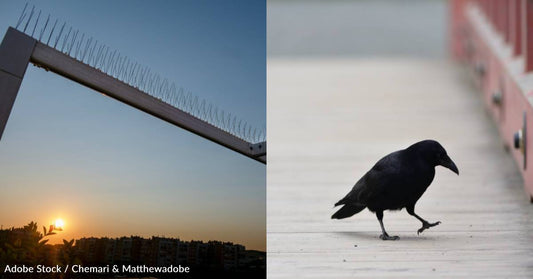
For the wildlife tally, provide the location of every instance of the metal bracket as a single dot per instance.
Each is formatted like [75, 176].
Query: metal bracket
[258, 149]
[498, 93]
[480, 69]
[497, 97]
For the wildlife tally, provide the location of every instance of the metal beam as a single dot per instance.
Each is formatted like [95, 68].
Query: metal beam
[15, 52]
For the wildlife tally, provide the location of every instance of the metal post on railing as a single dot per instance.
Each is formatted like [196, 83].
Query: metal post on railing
[528, 34]
[505, 21]
[492, 13]
[486, 5]
[516, 26]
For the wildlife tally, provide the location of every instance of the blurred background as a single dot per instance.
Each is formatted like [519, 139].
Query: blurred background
[362, 28]
[352, 81]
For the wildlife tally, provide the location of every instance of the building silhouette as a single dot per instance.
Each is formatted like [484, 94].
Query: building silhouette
[162, 251]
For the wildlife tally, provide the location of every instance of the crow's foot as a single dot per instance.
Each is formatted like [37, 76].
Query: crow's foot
[387, 237]
[427, 225]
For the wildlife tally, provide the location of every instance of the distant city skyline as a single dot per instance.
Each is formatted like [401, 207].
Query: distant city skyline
[110, 170]
[133, 254]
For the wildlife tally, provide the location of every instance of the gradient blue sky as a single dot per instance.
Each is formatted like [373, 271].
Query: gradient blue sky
[110, 170]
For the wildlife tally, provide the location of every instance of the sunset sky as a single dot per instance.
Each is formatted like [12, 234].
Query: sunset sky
[110, 170]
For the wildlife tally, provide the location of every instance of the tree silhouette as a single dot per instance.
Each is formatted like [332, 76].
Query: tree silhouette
[27, 246]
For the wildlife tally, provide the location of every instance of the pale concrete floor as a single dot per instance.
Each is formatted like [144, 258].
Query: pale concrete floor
[330, 120]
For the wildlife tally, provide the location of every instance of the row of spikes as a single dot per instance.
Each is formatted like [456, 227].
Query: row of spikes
[99, 56]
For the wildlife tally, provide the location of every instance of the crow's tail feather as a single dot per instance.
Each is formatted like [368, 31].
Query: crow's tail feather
[348, 210]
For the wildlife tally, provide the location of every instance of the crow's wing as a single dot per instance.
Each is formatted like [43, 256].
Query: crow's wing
[382, 175]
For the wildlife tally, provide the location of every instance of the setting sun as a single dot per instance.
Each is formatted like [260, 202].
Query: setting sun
[58, 224]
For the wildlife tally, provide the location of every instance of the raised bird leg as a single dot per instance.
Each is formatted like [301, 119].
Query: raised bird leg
[425, 224]
[384, 235]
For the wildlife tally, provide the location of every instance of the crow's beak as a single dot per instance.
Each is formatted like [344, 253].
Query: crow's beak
[449, 164]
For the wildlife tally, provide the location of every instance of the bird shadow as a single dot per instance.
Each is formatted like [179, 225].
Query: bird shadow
[375, 236]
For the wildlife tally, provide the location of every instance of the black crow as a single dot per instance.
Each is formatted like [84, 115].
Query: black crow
[396, 181]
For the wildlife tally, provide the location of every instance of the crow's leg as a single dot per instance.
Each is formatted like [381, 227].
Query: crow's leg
[425, 224]
[384, 235]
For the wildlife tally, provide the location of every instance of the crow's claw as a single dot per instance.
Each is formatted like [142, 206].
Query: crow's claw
[427, 226]
[387, 237]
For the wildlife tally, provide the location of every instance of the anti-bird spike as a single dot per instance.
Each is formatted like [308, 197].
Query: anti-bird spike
[44, 28]
[72, 42]
[85, 49]
[66, 39]
[59, 35]
[22, 15]
[36, 22]
[29, 19]
[51, 32]
[78, 47]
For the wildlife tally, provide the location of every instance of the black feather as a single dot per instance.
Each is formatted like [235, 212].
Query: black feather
[347, 211]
